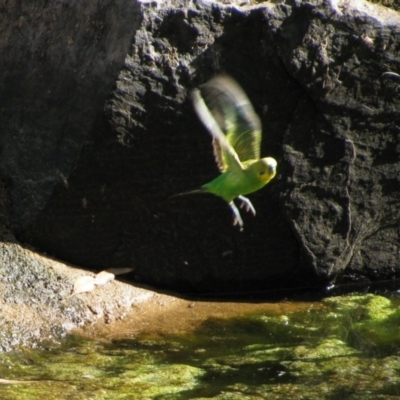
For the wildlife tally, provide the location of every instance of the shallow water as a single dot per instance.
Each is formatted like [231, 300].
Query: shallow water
[341, 348]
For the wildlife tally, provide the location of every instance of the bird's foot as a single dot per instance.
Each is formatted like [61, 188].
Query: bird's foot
[237, 219]
[247, 204]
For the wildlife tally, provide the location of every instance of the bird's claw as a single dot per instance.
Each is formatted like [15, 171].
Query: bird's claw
[237, 219]
[246, 203]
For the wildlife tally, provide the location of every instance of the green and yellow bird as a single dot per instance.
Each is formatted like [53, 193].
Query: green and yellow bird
[227, 113]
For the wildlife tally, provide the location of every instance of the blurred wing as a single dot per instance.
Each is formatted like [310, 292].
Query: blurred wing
[235, 116]
[225, 153]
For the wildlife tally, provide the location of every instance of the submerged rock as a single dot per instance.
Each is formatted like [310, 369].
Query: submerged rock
[91, 169]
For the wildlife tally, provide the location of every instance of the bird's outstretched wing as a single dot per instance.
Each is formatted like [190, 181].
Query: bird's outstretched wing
[235, 116]
[227, 152]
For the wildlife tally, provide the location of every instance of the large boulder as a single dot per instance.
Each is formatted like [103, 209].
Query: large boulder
[91, 179]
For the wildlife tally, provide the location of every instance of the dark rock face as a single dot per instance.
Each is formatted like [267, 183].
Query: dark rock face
[343, 144]
[314, 75]
[58, 63]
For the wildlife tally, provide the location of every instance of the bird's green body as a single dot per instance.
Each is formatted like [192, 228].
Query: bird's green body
[230, 184]
[227, 113]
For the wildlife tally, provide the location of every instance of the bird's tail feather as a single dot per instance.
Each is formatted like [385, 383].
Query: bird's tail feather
[196, 191]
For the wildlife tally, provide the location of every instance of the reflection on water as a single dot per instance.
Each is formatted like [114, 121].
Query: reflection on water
[341, 348]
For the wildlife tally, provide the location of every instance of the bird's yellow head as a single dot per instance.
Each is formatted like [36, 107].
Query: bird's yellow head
[265, 169]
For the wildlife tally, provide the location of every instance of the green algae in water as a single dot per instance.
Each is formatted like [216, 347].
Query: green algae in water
[347, 349]
[92, 370]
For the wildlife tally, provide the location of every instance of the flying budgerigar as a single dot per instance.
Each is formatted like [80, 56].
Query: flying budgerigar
[227, 113]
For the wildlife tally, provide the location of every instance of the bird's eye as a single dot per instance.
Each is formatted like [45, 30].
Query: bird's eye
[261, 173]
